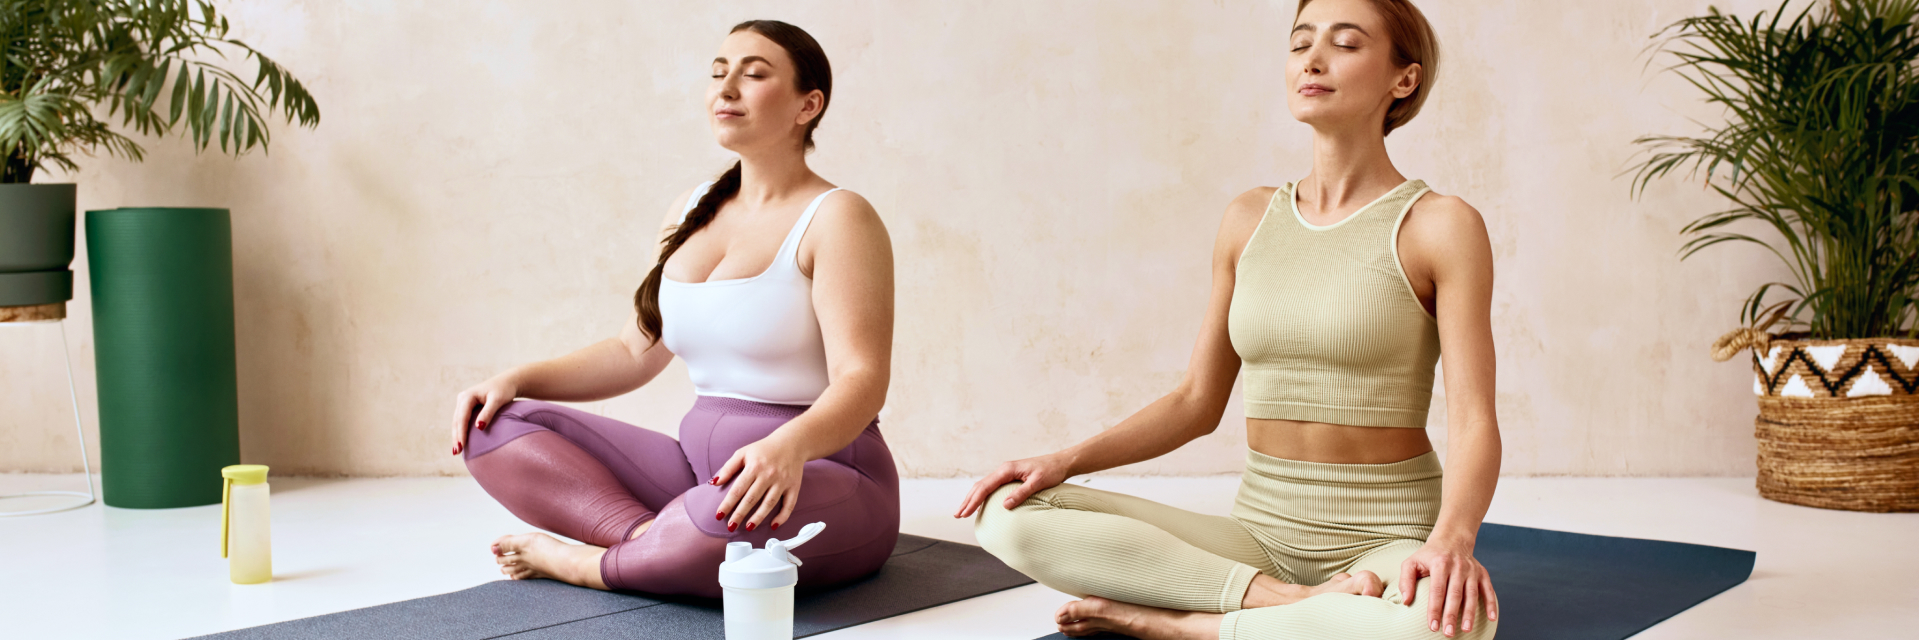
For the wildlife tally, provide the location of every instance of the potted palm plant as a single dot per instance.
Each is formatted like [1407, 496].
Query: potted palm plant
[144, 63]
[77, 77]
[1820, 153]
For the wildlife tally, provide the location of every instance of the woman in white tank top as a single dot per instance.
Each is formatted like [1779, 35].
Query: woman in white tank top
[776, 288]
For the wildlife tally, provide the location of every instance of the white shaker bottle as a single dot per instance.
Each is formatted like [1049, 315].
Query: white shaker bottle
[245, 536]
[758, 585]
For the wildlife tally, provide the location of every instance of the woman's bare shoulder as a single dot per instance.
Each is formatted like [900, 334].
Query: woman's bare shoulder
[1441, 219]
[1242, 218]
[846, 218]
[673, 213]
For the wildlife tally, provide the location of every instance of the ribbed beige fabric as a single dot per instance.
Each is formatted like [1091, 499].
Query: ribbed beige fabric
[1326, 321]
[1300, 522]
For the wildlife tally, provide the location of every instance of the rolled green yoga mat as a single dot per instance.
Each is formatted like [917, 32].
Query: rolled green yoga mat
[163, 332]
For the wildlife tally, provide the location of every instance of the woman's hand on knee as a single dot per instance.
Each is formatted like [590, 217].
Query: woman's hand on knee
[1460, 585]
[765, 478]
[1036, 474]
[475, 407]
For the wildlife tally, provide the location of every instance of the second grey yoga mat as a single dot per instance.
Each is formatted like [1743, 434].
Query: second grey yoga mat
[922, 573]
[1555, 585]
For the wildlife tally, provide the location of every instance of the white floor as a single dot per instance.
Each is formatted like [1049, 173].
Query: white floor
[342, 544]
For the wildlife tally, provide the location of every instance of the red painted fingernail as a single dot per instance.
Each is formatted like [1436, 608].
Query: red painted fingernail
[776, 526]
[749, 527]
[719, 516]
[457, 448]
[730, 526]
[482, 425]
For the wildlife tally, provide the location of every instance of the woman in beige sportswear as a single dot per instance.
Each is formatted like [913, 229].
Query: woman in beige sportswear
[1336, 294]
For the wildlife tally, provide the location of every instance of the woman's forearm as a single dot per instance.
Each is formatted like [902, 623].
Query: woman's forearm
[842, 412]
[1167, 424]
[1472, 474]
[602, 370]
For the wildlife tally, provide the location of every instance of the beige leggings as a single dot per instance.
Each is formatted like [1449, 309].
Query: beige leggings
[1299, 522]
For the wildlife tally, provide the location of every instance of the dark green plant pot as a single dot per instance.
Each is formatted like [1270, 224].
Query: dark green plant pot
[163, 353]
[36, 244]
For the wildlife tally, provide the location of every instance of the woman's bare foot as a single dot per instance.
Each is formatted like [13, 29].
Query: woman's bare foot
[1364, 583]
[537, 555]
[1096, 614]
[1267, 591]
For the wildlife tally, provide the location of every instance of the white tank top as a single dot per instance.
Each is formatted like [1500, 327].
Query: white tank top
[749, 338]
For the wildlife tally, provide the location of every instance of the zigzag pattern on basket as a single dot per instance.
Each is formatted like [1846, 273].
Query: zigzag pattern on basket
[1837, 369]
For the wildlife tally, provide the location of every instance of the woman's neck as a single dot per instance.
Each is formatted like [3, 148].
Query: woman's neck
[771, 176]
[1350, 168]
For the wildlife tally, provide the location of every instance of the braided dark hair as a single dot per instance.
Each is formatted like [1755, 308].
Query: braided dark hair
[811, 72]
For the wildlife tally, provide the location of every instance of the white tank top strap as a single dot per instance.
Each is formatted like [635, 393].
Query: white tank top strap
[789, 249]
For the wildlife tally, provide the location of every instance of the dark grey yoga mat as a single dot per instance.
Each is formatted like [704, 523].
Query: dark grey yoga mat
[922, 573]
[1571, 586]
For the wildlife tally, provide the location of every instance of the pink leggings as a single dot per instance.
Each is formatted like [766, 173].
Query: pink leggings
[595, 479]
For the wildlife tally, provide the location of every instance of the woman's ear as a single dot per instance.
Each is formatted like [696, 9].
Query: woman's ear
[815, 103]
[1409, 80]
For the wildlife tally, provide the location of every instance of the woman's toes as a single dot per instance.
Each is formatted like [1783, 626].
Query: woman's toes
[1370, 584]
[1364, 583]
[1088, 609]
[1066, 614]
[1077, 630]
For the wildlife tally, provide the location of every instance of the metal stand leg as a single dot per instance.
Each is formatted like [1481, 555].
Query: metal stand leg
[74, 395]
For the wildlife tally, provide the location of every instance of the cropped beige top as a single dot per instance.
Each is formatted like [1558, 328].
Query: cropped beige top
[1327, 323]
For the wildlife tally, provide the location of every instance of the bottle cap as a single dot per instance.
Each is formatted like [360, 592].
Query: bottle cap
[769, 568]
[241, 474]
[245, 473]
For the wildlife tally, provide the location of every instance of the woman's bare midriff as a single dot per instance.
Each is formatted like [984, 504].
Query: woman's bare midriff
[1334, 443]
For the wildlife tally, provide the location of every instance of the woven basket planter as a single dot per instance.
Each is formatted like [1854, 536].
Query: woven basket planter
[1838, 424]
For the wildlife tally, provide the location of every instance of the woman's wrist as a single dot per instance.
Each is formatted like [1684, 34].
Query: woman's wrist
[514, 377]
[782, 443]
[1067, 461]
[1454, 536]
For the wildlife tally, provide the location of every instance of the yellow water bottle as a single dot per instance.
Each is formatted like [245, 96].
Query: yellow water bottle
[245, 538]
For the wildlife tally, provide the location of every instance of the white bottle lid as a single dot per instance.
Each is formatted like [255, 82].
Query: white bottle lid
[769, 568]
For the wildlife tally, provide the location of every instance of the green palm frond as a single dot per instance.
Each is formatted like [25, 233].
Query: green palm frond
[69, 67]
[1820, 145]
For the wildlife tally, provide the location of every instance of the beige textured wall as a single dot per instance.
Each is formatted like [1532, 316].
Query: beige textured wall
[487, 175]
